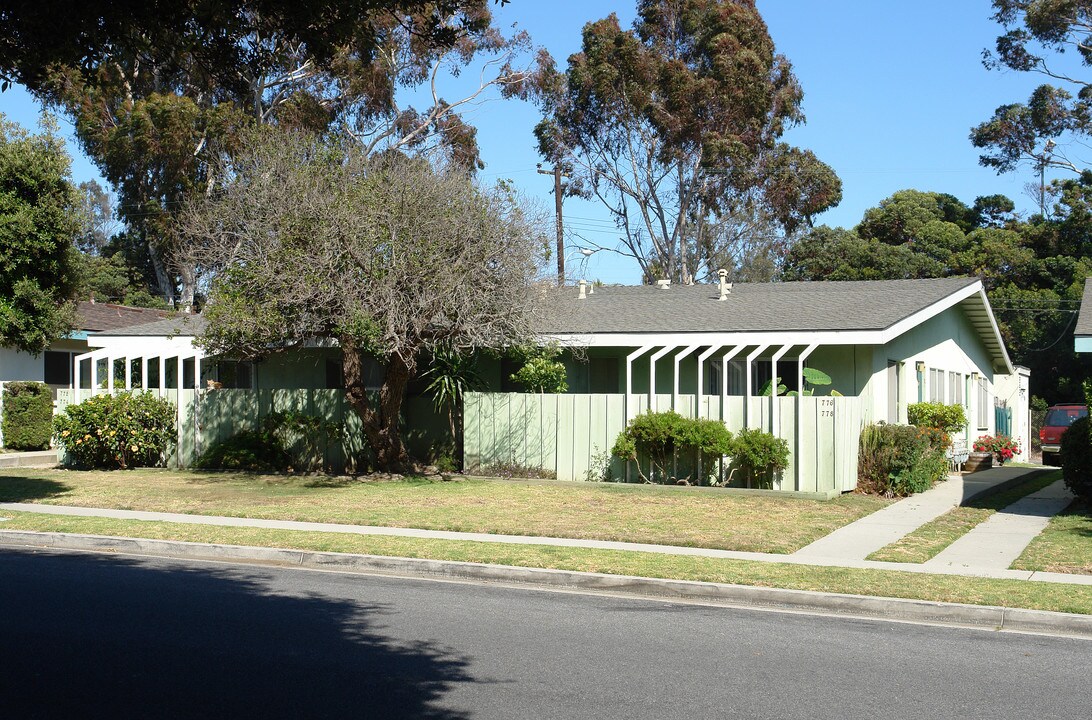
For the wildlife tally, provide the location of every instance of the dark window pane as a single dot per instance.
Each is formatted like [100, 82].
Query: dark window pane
[58, 367]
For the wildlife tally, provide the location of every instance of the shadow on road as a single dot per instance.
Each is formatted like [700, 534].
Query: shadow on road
[96, 636]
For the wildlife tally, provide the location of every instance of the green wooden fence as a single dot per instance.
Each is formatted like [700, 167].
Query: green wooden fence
[209, 416]
[570, 435]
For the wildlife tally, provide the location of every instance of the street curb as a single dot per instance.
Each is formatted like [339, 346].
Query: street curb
[861, 606]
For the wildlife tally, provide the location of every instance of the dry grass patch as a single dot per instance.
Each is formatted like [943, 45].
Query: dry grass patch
[672, 516]
[883, 583]
[1065, 546]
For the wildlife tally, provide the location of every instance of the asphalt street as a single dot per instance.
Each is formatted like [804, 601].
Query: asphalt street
[87, 635]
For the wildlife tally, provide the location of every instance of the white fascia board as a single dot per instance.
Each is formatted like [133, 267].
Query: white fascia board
[972, 290]
[927, 313]
[145, 346]
[796, 337]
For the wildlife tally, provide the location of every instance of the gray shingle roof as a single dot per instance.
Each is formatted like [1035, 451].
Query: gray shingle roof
[97, 317]
[175, 326]
[1084, 318]
[751, 307]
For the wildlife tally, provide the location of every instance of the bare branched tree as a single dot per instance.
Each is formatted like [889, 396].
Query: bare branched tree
[390, 256]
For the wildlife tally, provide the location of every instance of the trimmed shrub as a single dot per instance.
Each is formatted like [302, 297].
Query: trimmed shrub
[900, 460]
[1076, 459]
[949, 418]
[671, 443]
[131, 429]
[759, 454]
[28, 416]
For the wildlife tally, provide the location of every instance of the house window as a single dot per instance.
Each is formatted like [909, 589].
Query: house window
[58, 368]
[955, 388]
[983, 405]
[936, 385]
[737, 377]
[335, 375]
[235, 374]
[603, 375]
[712, 378]
[373, 375]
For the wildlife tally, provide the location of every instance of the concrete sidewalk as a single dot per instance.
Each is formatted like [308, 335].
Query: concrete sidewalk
[996, 543]
[863, 537]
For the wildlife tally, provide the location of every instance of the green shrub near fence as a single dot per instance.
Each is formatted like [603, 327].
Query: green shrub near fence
[900, 460]
[1076, 459]
[688, 451]
[28, 416]
[131, 429]
[949, 418]
[267, 447]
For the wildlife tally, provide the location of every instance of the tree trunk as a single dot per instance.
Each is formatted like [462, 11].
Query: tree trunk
[162, 277]
[380, 423]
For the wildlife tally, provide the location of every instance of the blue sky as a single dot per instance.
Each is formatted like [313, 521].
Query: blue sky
[891, 90]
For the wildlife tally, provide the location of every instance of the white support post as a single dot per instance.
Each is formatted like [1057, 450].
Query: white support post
[144, 373]
[162, 374]
[727, 357]
[110, 374]
[747, 390]
[652, 406]
[687, 351]
[128, 373]
[797, 465]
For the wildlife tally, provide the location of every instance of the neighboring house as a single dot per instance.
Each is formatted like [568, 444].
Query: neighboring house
[1082, 333]
[56, 365]
[704, 349]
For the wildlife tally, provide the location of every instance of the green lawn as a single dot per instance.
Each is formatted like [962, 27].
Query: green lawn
[883, 583]
[1065, 546]
[932, 537]
[634, 513]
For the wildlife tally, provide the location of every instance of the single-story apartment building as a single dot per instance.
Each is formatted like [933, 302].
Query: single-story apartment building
[701, 349]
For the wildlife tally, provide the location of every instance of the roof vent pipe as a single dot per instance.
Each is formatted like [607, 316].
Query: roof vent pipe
[583, 290]
[725, 286]
[663, 284]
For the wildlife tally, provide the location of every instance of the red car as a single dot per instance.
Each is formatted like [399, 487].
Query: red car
[1058, 419]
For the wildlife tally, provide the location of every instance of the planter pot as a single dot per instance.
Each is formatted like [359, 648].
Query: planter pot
[978, 461]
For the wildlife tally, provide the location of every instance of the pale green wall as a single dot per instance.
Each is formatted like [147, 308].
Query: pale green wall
[849, 367]
[304, 369]
[947, 342]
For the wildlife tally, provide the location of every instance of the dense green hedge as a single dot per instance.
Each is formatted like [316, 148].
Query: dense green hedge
[899, 460]
[949, 418]
[1076, 459]
[28, 416]
[117, 431]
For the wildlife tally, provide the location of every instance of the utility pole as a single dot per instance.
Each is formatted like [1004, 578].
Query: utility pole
[556, 172]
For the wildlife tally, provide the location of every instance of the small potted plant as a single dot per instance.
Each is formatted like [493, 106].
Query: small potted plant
[1001, 447]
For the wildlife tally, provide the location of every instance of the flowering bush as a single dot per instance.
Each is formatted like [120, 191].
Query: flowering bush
[1002, 446]
[117, 431]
